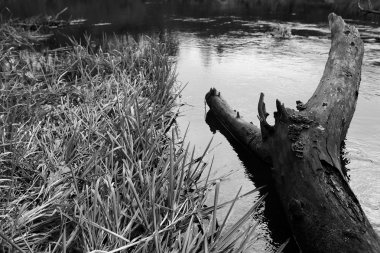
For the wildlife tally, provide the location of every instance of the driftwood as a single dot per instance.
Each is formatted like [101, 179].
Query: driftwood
[303, 150]
[369, 10]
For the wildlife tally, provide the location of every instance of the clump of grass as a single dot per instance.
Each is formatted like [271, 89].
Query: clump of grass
[90, 156]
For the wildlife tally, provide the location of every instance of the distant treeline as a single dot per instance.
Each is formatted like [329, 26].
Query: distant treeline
[138, 11]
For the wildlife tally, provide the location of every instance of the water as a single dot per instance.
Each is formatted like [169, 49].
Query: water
[244, 60]
[231, 49]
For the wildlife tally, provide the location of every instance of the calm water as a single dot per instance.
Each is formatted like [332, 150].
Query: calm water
[231, 49]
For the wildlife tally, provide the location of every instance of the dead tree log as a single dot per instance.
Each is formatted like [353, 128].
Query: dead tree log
[303, 148]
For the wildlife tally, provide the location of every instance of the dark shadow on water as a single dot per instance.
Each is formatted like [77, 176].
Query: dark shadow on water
[205, 18]
[259, 173]
[128, 15]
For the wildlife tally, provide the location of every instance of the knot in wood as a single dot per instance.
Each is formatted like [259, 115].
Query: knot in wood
[298, 147]
[300, 106]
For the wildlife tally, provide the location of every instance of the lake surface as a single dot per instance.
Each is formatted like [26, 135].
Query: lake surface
[231, 49]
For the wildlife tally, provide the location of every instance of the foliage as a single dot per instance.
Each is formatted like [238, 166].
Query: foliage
[90, 155]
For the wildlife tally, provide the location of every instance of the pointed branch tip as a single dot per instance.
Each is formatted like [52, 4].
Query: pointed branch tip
[265, 127]
[281, 111]
[212, 92]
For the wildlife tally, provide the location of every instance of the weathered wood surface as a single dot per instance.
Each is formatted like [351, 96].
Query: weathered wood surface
[303, 148]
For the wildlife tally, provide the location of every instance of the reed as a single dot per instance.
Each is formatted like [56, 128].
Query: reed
[91, 160]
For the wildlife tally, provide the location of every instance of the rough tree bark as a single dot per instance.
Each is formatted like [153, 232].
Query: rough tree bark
[303, 149]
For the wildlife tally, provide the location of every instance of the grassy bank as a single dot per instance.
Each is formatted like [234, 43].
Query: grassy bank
[90, 157]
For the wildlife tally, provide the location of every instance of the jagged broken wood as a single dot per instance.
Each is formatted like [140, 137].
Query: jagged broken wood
[303, 149]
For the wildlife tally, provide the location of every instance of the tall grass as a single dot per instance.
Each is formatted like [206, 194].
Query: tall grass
[91, 160]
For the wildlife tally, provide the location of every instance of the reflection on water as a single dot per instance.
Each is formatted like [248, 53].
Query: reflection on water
[227, 44]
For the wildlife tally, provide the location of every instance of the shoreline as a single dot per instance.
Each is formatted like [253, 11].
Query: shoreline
[90, 159]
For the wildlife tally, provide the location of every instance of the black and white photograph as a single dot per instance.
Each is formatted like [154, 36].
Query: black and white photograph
[190, 126]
